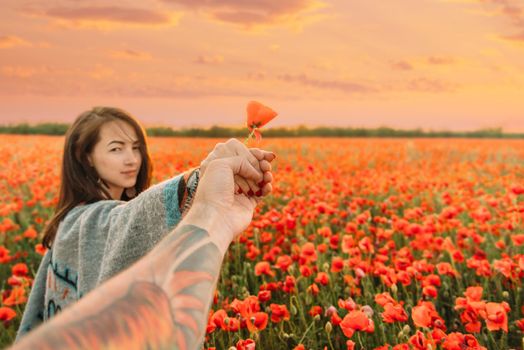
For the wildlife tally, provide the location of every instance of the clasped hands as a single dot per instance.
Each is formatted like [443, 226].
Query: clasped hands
[233, 180]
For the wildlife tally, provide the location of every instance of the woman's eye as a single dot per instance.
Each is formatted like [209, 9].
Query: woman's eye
[114, 149]
[137, 147]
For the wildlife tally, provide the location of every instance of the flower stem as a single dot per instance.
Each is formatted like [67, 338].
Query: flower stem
[249, 136]
[306, 332]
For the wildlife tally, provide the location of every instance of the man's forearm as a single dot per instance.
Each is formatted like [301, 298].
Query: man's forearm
[161, 302]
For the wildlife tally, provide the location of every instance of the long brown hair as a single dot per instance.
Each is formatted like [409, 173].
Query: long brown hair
[79, 181]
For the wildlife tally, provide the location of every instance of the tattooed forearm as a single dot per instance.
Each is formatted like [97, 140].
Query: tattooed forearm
[164, 303]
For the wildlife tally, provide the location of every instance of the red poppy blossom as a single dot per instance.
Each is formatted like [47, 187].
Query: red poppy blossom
[279, 313]
[258, 115]
[263, 268]
[19, 270]
[6, 314]
[355, 320]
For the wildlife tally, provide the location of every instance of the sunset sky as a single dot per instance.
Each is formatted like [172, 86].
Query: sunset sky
[433, 64]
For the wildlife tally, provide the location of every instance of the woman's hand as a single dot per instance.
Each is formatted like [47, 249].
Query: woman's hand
[259, 159]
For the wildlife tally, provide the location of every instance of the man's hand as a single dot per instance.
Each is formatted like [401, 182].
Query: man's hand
[255, 156]
[216, 200]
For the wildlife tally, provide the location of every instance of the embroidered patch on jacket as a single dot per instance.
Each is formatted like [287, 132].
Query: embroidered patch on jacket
[61, 288]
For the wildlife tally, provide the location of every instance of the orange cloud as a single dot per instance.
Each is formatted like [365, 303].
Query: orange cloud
[100, 72]
[209, 59]
[7, 41]
[19, 71]
[402, 65]
[340, 85]
[519, 38]
[131, 55]
[430, 85]
[513, 11]
[253, 13]
[257, 76]
[105, 17]
[415, 63]
[437, 60]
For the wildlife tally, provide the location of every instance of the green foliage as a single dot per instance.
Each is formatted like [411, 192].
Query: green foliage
[300, 131]
[41, 129]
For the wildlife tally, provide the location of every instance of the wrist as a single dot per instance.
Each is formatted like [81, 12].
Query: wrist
[190, 190]
[208, 218]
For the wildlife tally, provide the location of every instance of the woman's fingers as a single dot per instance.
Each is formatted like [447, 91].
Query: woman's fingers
[248, 187]
[259, 160]
[268, 177]
[241, 185]
[265, 165]
[268, 187]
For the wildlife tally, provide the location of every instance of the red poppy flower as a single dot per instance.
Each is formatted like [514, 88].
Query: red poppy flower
[258, 115]
[279, 313]
[6, 314]
[394, 313]
[248, 344]
[19, 270]
[16, 297]
[264, 295]
[356, 320]
[263, 268]
[421, 315]
[496, 317]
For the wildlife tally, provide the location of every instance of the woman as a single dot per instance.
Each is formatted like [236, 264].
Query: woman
[107, 218]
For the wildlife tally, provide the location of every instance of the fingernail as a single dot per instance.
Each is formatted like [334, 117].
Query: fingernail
[261, 184]
[250, 193]
[240, 191]
[259, 193]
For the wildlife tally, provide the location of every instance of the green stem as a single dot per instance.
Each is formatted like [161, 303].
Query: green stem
[249, 136]
[306, 332]
[329, 340]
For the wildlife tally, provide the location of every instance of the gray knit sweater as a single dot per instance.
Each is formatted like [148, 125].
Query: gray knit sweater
[96, 241]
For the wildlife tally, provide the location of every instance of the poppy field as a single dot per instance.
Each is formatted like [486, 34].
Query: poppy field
[363, 244]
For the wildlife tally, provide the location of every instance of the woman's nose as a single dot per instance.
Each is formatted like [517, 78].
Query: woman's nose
[132, 157]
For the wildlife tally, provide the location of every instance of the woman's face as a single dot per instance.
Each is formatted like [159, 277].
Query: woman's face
[116, 157]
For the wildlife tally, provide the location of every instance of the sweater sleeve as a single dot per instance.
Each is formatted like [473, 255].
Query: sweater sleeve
[96, 241]
[138, 225]
[135, 227]
[33, 313]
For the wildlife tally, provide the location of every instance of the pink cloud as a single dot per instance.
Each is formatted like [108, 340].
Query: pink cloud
[402, 65]
[104, 14]
[130, 54]
[517, 37]
[340, 85]
[250, 12]
[440, 60]
[430, 85]
[409, 65]
[209, 59]
[513, 10]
